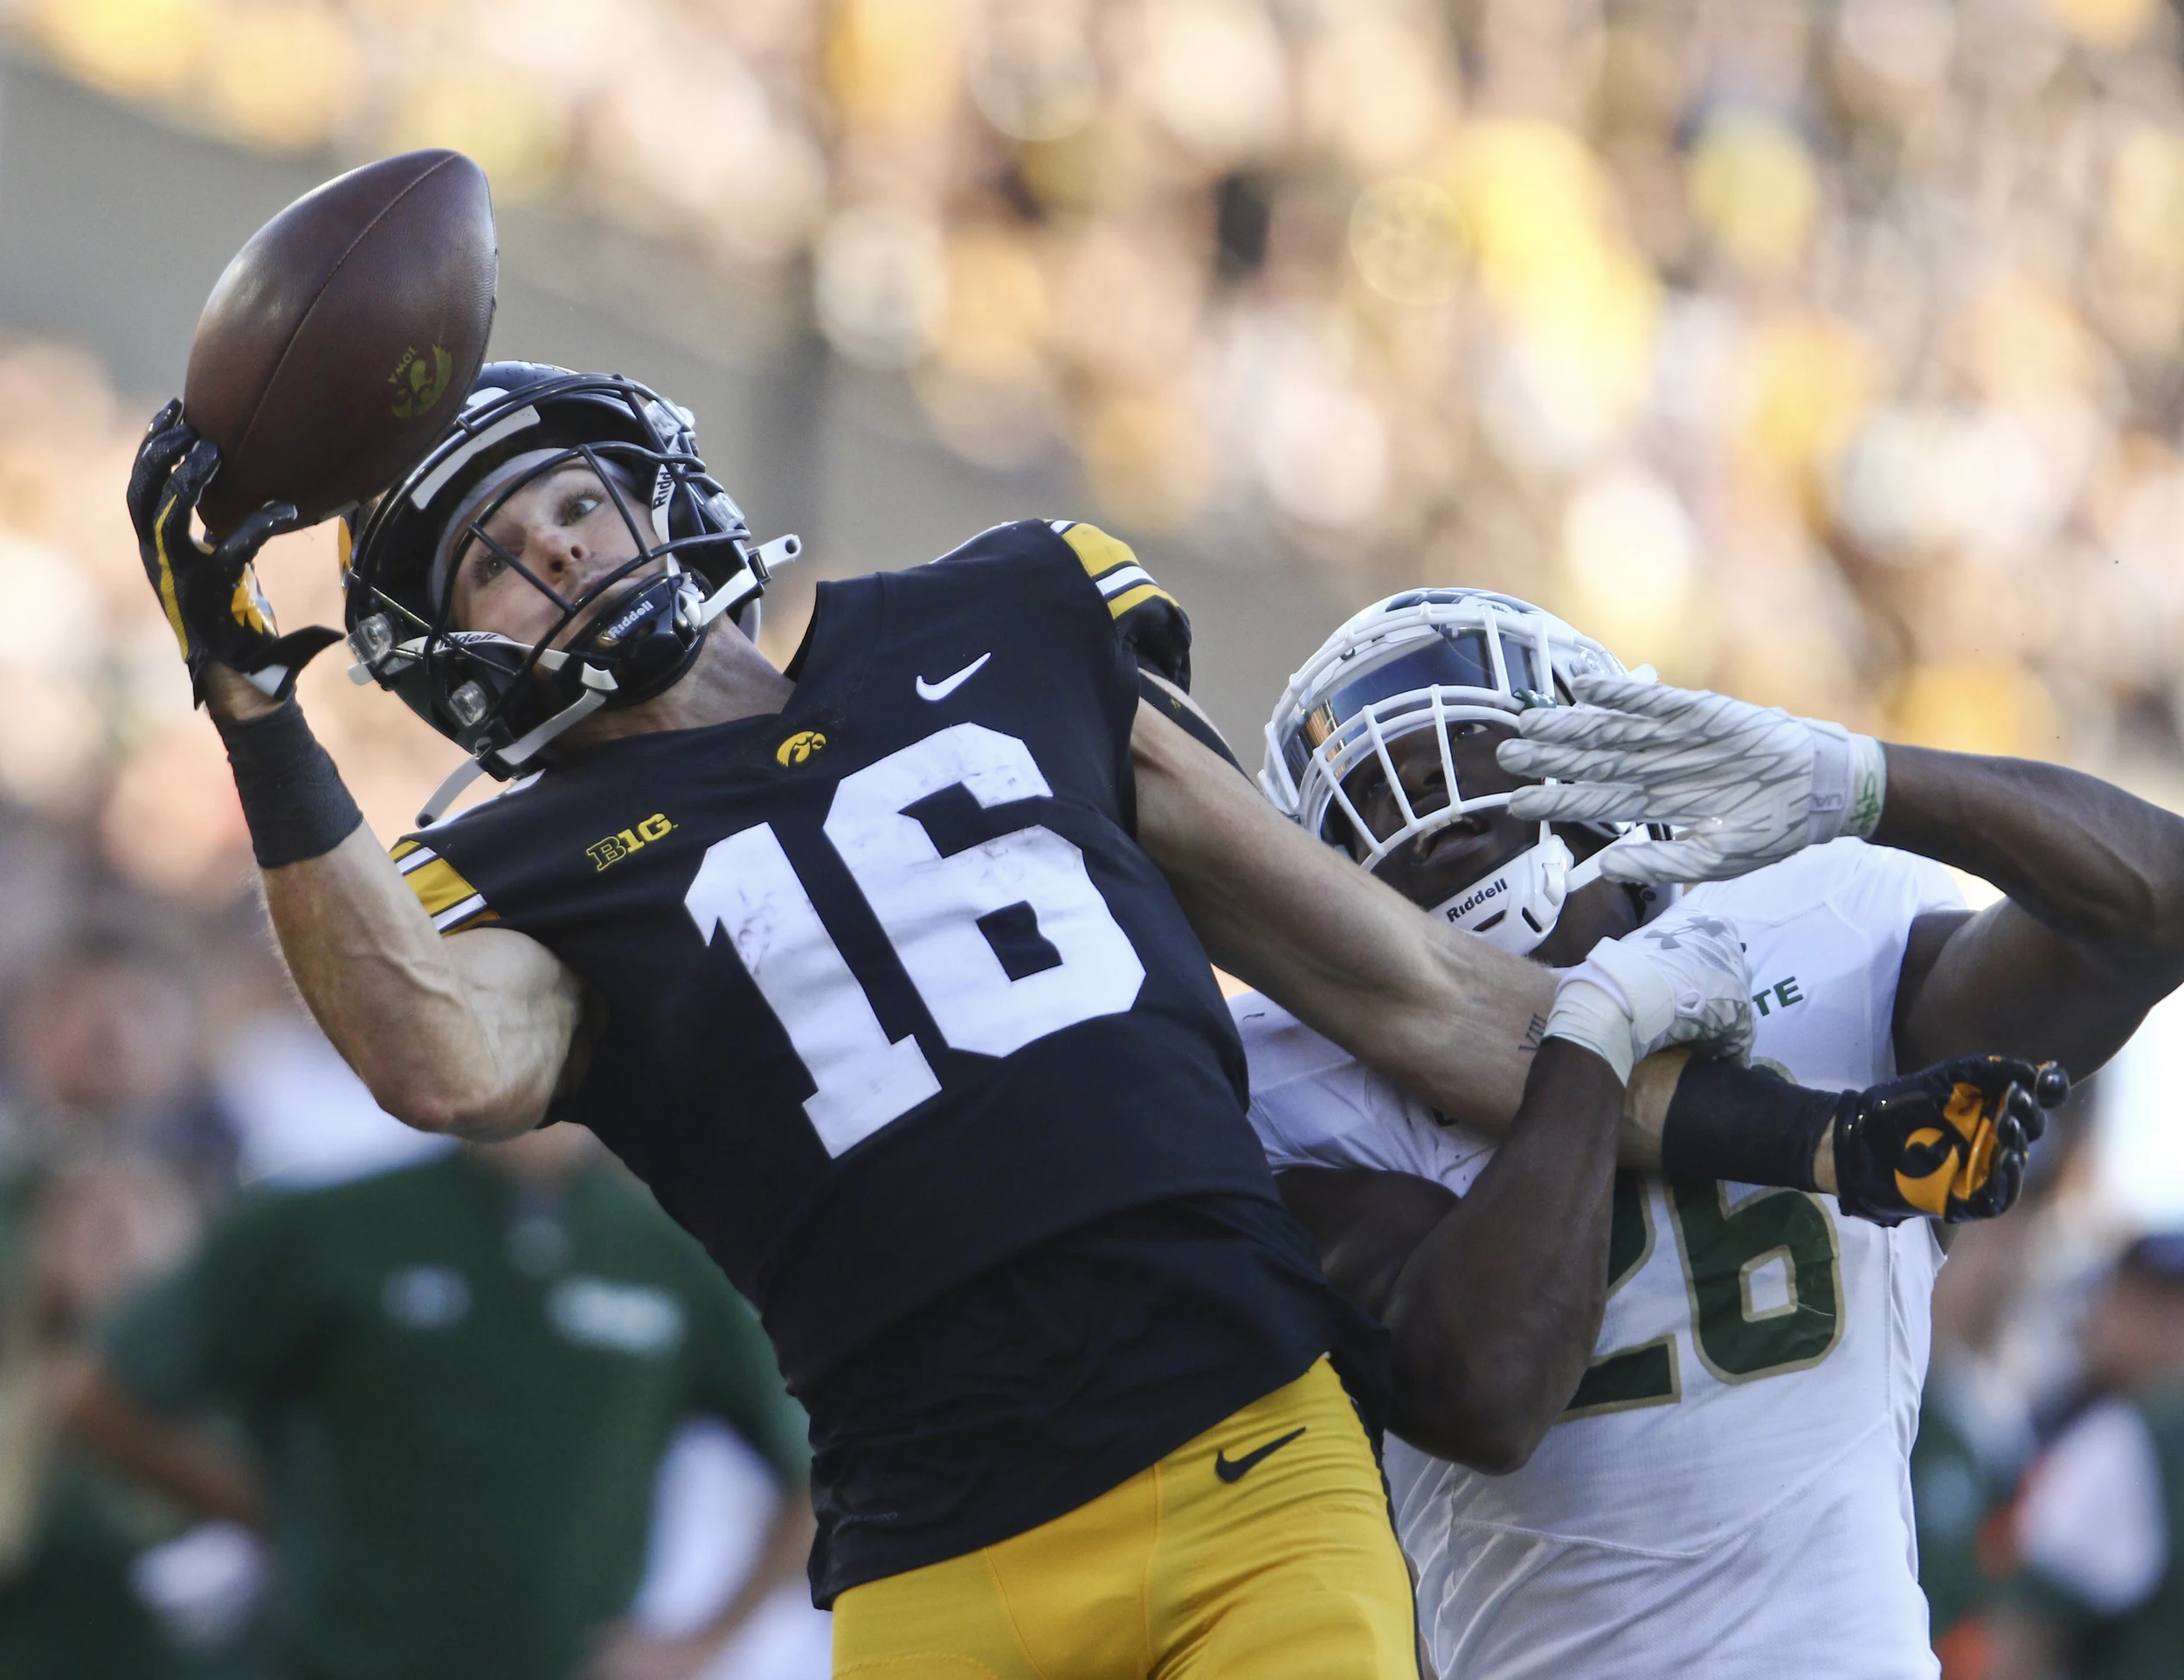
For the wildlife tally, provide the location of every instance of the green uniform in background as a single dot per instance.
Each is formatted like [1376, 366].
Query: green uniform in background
[1965, 1466]
[67, 1609]
[461, 1389]
[2116, 1610]
[1950, 1496]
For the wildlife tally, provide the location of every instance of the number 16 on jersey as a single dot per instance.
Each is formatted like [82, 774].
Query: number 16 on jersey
[936, 912]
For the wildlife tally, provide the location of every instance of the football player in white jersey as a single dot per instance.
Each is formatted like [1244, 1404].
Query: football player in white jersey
[1725, 1493]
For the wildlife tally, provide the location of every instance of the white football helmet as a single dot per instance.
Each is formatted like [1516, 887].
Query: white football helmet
[1425, 658]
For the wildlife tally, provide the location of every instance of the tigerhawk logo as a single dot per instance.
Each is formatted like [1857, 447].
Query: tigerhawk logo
[798, 747]
[615, 847]
[420, 380]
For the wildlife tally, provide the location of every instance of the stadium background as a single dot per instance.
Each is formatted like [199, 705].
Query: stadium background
[1828, 354]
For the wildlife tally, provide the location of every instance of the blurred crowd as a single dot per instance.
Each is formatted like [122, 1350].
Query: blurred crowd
[1823, 351]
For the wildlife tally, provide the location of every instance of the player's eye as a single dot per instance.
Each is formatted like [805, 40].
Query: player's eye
[578, 508]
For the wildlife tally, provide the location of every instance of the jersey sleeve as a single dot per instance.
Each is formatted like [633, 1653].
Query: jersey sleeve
[1314, 1105]
[446, 894]
[1147, 618]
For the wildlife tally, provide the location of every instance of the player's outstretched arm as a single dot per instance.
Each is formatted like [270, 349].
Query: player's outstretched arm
[1446, 1016]
[1494, 1301]
[465, 1035]
[2089, 936]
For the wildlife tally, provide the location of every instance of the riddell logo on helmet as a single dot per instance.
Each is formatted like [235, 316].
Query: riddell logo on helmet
[1456, 912]
[624, 624]
[420, 380]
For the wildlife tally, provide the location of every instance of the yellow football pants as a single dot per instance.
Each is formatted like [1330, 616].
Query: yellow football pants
[1261, 1550]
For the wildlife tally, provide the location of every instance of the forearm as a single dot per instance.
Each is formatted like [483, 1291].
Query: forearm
[1497, 1312]
[438, 1049]
[1444, 1015]
[2082, 856]
[469, 1043]
[1709, 1119]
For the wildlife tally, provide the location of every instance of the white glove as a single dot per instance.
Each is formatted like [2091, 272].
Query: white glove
[1680, 979]
[1743, 785]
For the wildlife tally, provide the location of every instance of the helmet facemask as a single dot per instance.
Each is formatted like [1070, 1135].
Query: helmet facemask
[637, 621]
[627, 634]
[1432, 660]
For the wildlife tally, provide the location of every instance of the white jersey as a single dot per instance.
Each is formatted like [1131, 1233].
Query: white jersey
[1729, 1495]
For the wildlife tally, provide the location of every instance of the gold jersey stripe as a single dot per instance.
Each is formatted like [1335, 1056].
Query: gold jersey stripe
[1104, 556]
[401, 849]
[1097, 551]
[440, 887]
[1138, 597]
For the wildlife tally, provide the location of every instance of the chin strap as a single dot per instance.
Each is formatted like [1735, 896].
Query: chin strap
[747, 582]
[1515, 907]
[598, 686]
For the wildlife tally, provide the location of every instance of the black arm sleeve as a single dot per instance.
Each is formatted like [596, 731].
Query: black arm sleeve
[1743, 1125]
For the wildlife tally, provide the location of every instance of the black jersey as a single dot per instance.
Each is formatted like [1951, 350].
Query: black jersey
[889, 993]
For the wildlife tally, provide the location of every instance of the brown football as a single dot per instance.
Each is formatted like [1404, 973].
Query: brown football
[341, 340]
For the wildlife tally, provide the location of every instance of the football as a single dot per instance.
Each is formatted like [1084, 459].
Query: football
[342, 336]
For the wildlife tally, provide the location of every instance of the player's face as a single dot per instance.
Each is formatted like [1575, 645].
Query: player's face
[563, 527]
[1434, 868]
[1430, 868]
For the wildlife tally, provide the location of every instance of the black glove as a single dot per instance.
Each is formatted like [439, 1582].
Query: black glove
[1948, 1142]
[211, 594]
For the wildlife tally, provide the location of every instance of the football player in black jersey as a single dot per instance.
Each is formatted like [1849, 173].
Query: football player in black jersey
[888, 972]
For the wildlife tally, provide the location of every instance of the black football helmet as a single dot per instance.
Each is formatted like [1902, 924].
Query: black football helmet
[502, 700]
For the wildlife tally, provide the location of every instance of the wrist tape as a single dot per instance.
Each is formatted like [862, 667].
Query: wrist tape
[1590, 1012]
[1850, 783]
[292, 798]
[1747, 1127]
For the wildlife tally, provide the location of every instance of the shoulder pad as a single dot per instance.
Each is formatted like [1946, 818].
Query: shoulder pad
[1151, 621]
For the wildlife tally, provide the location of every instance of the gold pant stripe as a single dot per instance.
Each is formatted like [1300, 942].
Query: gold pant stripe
[1286, 1571]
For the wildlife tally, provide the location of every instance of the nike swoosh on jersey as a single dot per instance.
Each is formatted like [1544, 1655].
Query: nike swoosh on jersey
[948, 686]
[1234, 1470]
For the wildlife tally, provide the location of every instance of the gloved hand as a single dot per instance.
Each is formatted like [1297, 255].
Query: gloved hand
[1681, 979]
[210, 593]
[1949, 1142]
[1743, 785]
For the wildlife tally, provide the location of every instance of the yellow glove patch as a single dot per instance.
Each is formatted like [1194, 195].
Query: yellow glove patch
[252, 610]
[1960, 1164]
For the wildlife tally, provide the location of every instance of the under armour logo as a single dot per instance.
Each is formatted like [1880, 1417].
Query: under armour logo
[1665, 938]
